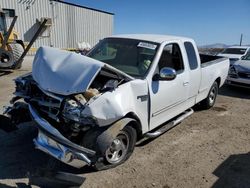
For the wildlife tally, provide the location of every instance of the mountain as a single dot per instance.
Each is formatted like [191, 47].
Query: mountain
[216, 45]
[220, 45]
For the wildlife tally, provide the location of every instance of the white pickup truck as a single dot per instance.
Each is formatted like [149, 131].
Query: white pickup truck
[94, 109]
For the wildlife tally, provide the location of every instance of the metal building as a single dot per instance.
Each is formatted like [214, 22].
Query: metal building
[68, 23]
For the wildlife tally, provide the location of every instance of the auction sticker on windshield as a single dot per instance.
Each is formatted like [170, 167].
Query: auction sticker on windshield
[147, 45]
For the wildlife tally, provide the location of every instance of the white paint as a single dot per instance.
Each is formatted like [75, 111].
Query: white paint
[114, 105]
[64, 72]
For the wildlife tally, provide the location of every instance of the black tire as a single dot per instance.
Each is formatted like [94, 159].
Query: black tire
[53, 164]
[17, 51]
[105, 162]
[211, 98]
[8, 59]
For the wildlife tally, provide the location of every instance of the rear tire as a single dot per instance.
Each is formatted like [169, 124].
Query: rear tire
[211, 98]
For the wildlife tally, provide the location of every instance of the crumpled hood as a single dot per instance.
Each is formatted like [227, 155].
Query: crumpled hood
[242, 65]
[63, 72]
[66, 73]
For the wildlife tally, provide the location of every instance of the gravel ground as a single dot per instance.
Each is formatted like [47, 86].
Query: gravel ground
[209, 149]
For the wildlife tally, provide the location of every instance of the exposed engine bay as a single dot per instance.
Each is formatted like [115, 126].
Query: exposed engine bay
[63, 112]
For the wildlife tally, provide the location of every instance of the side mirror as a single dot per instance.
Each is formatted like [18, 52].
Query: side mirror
[166, 73]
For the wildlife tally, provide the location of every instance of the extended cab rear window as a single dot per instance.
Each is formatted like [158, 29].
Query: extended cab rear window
[192, 58]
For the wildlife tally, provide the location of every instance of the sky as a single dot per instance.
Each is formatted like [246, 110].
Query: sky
[206, 21]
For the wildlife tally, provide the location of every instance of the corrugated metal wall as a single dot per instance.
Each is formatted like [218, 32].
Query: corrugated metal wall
[71, 24]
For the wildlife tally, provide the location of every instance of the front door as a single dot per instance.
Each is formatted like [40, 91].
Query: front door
[167, 97]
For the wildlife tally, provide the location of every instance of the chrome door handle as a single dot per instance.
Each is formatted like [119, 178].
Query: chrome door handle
[185, 83]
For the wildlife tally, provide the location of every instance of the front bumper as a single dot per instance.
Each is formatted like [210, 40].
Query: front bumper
[240, 82]
[52, 142]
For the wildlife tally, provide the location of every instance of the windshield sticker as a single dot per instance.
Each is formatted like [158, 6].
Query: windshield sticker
[147, 45]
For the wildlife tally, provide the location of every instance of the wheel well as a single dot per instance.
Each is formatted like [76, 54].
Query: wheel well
[135, 124]
[218, 80]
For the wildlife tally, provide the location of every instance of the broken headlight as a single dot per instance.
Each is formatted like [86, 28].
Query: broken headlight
[20, 85]
[23, 84]
[72, 112]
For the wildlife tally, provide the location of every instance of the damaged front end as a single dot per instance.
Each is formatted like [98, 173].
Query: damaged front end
[57, 95]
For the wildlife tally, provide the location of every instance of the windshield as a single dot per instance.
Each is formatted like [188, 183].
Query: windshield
[246, 57]
[134, 57]
[239, 51]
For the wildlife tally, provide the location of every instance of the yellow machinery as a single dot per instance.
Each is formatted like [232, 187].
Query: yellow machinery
[11, 48]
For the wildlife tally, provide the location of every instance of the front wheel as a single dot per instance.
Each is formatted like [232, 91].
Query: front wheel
[119, 150]
[211, 98]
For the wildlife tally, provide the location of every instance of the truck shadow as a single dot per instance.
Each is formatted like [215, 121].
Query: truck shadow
[19, 158]
[237, 92]
[6, 125]
[18, 185]
[233, 172]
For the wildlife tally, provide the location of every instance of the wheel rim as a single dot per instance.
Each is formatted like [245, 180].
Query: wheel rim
[118, 149]
[212, 95]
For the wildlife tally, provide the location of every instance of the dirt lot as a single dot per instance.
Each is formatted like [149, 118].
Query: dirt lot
[209, 149]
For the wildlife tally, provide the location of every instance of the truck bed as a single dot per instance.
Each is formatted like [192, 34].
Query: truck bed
[209, 59]
[212, 68]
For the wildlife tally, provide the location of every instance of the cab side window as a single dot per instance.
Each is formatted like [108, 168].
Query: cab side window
[192, 59]
[171, 57]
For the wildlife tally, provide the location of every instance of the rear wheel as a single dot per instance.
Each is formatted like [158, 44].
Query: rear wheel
[211, 98]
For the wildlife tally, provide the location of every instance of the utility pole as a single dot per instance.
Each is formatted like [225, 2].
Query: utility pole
[241, 36]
